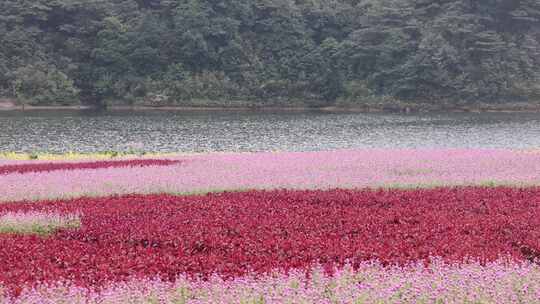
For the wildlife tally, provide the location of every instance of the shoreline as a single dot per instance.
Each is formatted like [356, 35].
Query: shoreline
[383, 108]
[27, 157]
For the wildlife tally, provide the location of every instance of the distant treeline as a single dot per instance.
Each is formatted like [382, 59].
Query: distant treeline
[269, 52]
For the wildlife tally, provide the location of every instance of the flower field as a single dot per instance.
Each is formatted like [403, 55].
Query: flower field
[377, 226]
[270, 170]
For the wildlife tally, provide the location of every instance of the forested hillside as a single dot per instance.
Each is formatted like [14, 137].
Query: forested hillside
[269, 52]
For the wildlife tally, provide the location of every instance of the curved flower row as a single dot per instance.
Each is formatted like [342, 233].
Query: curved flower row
[48, 167]
[235, 234]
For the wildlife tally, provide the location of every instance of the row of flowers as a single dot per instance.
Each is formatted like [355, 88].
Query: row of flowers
[236, 234]
[75, 156]
[307, 170]
[495, 282]
[48, 167]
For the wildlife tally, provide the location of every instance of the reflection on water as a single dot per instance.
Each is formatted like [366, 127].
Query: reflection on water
[62, 131]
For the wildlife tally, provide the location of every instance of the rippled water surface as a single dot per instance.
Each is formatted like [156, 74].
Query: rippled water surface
[61, 131]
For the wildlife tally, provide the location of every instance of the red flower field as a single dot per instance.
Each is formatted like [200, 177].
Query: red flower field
[234, 233]
[47, 167]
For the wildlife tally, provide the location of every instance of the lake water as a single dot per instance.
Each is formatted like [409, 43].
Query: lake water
[87, 131]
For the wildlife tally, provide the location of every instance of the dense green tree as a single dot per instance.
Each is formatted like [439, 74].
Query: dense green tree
[43, 84]
[265, 52]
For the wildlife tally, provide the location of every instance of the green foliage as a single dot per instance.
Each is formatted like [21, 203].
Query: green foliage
[42, 84]
[196, 52]
[37, 223]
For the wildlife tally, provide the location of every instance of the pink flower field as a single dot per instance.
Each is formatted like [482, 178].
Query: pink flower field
[497, 282]
[307, 170]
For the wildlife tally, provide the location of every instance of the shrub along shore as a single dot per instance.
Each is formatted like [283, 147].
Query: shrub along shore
[352, 108]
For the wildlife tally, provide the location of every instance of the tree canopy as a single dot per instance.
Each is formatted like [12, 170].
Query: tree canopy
[269, 52]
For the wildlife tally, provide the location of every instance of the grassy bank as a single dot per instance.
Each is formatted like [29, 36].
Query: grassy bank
[398, 107]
